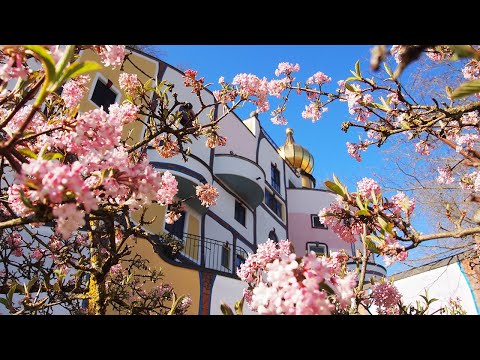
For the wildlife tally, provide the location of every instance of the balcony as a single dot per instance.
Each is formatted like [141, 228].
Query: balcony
[200, 253]
[241, 175]
[373, 270]
[188, 175]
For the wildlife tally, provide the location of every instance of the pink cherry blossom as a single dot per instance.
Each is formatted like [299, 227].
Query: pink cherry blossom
[124, 114]
[470, 118]
[111, 55]
[446, 176]
[366, 186]
[466, 141]
[286, 68]
[353, 149]
[279, 119]
[190, 80]
[69, 219]
[129, 83]
[13, 67]
[165, 146]
[386, 297]
[37, 254]
[313, 111]
[14, 242]
[215, 140]
[207, 194]
[318, 78]
[423, 147]
[74, 90]
[250, 87]
[340, 224]
[172, 216]
[471, 70]
[401, 202]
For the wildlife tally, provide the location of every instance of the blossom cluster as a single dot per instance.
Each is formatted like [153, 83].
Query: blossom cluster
[295, 286]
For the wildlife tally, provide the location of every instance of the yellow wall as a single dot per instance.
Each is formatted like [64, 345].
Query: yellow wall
[184, 281]
[148, 66]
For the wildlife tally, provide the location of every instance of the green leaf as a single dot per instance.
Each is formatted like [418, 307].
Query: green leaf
[363, 213]
[335, 188]
[355, 75]
[350, 87]
[10, 294]
[357, 68]
[4, 302]
[239, 306]
[387, 69]
[27, 152]
[371, 246]
[359, 203]
[26, 200]
[74, 70]
[226, 309]
[46, 59]
[463, 51]
[51, 156]
[351, 78]
[31, 283]
[466, 89]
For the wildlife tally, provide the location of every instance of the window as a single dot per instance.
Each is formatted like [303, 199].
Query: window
[103, 95]
[353, 249]
[275, 178]
[240, 213]
[273, 203]
[272, 235]
[290, 185]
[177, 227]
[318, 248]
[316, 222]
[226, 255]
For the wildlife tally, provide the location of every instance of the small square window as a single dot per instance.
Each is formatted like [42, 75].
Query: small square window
[240, 213]
[318, 248]
[273, 203]
[103, 95]
[316, 222]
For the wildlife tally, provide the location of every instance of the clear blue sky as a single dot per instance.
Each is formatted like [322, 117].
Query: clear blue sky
[324, 139]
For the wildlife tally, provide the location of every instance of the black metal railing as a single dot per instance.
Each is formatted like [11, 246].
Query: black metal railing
[205, 253]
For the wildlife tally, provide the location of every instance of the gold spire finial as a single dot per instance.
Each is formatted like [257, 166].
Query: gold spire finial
[289, 131]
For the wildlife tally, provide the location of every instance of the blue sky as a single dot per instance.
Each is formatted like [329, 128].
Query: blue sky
[324, 139]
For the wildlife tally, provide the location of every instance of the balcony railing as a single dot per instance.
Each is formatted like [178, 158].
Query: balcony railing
[200, 253]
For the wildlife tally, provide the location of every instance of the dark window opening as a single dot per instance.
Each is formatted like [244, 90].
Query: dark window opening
[290, 185]
[240, 213]
[226, 255]
[316, 222]
[177, 227]
[103, 95]
[272, 235]
[275, 178]
[273, 203]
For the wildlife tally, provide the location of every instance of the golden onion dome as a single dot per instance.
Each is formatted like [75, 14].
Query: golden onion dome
[295, 154]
